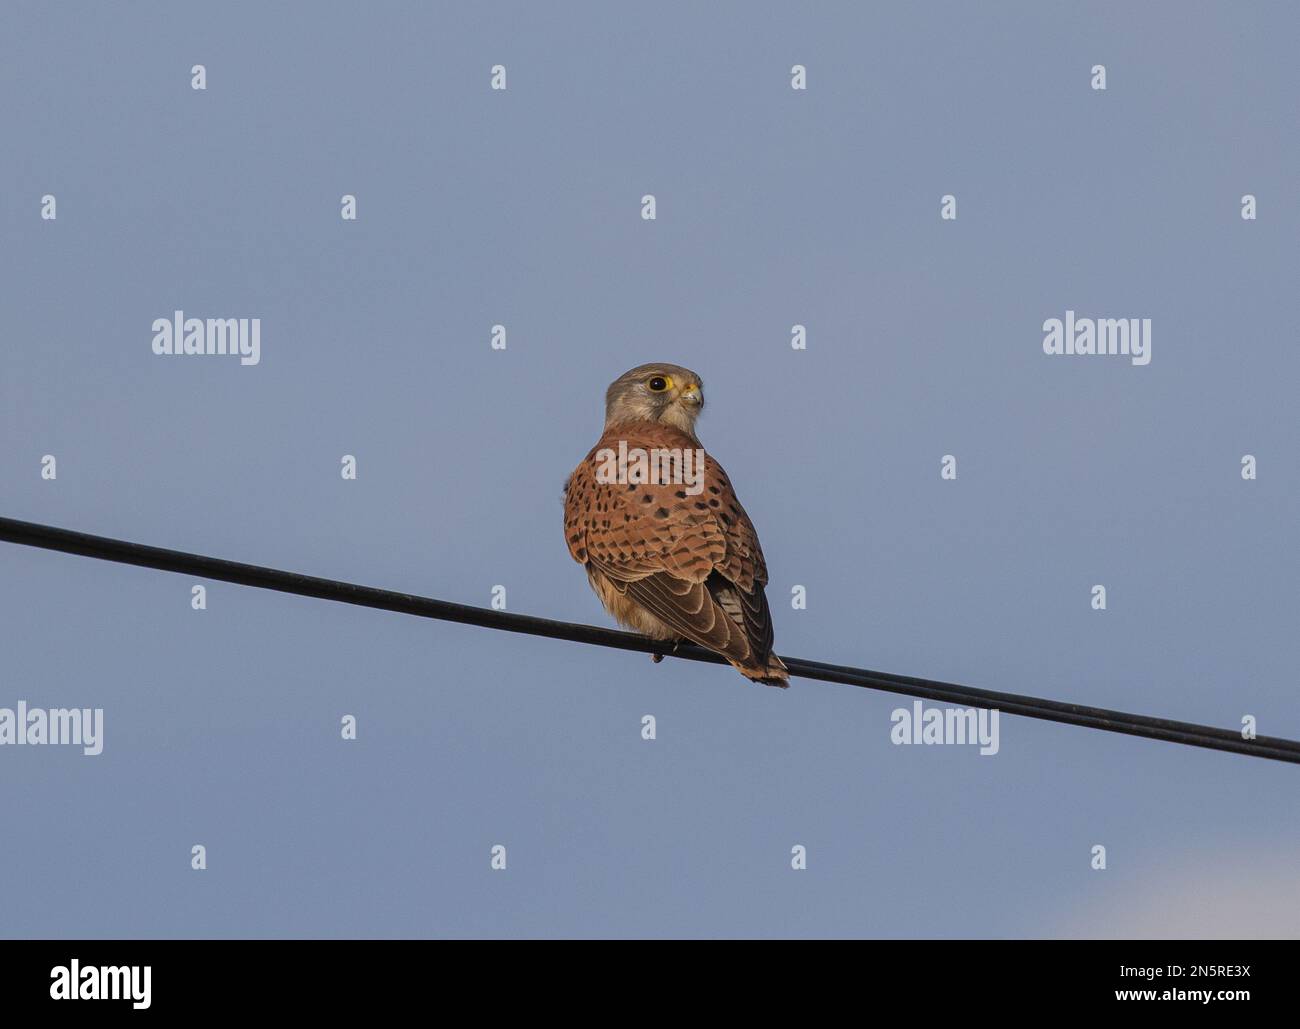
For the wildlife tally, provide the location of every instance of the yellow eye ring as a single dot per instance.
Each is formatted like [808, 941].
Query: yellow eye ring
[659, 383]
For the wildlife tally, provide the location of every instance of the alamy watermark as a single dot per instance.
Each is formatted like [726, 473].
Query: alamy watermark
[102, 982]
[662, 466]
[1130, 337]
[235, 336]
[76, 727]
[946, 725]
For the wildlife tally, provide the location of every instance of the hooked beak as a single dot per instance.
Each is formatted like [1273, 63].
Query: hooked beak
[692, 395]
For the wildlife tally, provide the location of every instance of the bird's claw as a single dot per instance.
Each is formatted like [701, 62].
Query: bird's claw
[656, 658]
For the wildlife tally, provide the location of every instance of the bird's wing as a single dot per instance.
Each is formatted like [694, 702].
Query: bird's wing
[688, 555]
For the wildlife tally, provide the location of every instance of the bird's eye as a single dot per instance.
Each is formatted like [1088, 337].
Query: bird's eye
[659, 383]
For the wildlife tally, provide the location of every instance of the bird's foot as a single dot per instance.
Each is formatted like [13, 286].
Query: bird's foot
[656, 658]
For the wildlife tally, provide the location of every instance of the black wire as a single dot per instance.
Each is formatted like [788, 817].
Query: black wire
[50, 538]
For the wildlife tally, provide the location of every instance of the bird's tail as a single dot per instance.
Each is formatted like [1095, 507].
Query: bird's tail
[773, 673]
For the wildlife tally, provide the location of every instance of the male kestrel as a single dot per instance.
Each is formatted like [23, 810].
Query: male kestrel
[667, 547]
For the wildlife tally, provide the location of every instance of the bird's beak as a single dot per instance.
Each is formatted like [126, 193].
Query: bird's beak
[692, 395]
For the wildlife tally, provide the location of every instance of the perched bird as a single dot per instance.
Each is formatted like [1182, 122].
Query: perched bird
[670, 553]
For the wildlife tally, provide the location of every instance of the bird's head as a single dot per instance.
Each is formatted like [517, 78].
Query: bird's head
[664, 393]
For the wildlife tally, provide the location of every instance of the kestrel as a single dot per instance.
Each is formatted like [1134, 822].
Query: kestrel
[667, 547]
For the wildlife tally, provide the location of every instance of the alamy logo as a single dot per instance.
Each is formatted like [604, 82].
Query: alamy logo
[663, 466]
[1130, 337]
[77, 727]
[102, 982]
[181, 335]
[946, 725]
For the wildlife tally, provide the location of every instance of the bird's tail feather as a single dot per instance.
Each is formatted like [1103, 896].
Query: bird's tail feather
[774, 673]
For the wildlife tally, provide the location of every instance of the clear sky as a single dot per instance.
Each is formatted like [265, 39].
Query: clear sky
[775, 207]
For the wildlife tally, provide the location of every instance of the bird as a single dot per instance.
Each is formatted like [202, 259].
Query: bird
[653, 519]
